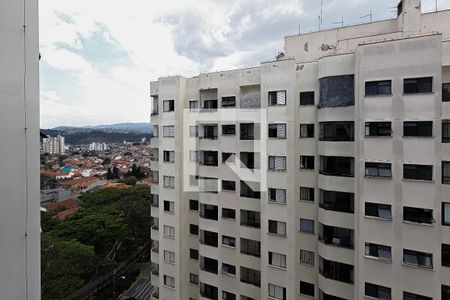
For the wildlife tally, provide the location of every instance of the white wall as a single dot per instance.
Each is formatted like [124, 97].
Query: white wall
[19, 151]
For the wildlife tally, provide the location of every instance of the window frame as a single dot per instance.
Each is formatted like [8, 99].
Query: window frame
[419, 255]
[378, 85]
[418, 129]
[419, 172]
[382, 169]
[307, 96]
[414, 87]
[376, 129]
[277, 96]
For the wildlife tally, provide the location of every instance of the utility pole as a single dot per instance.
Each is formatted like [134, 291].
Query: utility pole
[321, 15]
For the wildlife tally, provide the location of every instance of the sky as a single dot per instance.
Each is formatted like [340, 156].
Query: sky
[98, 56]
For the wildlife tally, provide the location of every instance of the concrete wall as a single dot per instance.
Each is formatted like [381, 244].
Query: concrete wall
[19, 151]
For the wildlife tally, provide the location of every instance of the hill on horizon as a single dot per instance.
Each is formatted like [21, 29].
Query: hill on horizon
[141, 127]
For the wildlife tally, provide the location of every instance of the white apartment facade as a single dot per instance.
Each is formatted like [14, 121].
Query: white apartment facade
[53, 145]
[19, 151]
[348, 196]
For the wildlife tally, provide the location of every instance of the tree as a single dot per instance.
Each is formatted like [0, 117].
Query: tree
[129, 180]
[115, 173]
[106, 161]
[109, 175]
[66, 266]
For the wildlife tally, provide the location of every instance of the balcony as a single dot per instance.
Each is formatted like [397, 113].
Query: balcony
[209, 265]
[337, 201]
[250, 218]
[210, 212]
[209, 238]
[336, 236]
[337, 166]
[209, 158]
[336, 271]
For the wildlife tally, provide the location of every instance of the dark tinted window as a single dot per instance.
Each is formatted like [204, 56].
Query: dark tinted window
[418, 85]
[378, 129]
[307, 98]
[446, 92]
[418, 172]
[378, 87]
[417, 128]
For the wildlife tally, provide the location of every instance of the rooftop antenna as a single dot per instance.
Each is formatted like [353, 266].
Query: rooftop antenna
[369, 15]
[341, 22]
[299, 29]
[436, 5]
[321, 15]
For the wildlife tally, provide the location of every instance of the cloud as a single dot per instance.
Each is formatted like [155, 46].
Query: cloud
[98, 57]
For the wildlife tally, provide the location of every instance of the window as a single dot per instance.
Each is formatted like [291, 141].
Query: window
[169, 156]
[248, 131]
[380, 252]
[210, 132]
[250, 189]
[249, 160]
[228, 241]
[193, 278]
[277, 131]
[446, 213]
[193, 229]
[418, 259]
[446, 92]
[168, 105]
[306, 162]
[277, 98]
[169, 281]
[306, 98]
[337, 166]
[378, 129]
[418, 215]
[277, 259]
[307, 257]
[336, 236]
[210, 104]
[228, 296]
[209, 291]
[277, 292]
[250, 247]
[335, 270]
[277, 195]
[229, 101]
[169, 256]
[446, 255]
[446, 131]
[193, 105]
[277, 227]
[418, 172]
[228, 213]
[277, 163]
[250, 276]
[169, 131]
[193, 204]
[209, 158]
[155, 176]
[228, 269]
[307, 288]
[374, 169]
[306, 130]
[169, 182]
[337, 201]
[418, 85]
[306, 226]
[418, 128]
[337, 91]
[250, 218]
[193, 155]
[445, 290]
[169, 206]
[228, 129]
[411, 296]
[446, 172]
[169, 231]
[306, 193]
[209, 265]
[193, 131]
[228, 185]
[382, 87]
[382, 211]
[228, 157]
[337, 131]
[193, 254]
[208, 211]
[377, 291]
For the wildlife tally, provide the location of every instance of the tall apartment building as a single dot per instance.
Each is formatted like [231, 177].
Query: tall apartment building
[19, 151]
[53, 145]
[322, 175]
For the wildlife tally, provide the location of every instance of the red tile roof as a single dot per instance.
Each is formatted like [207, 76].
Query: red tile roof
[68, 203]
